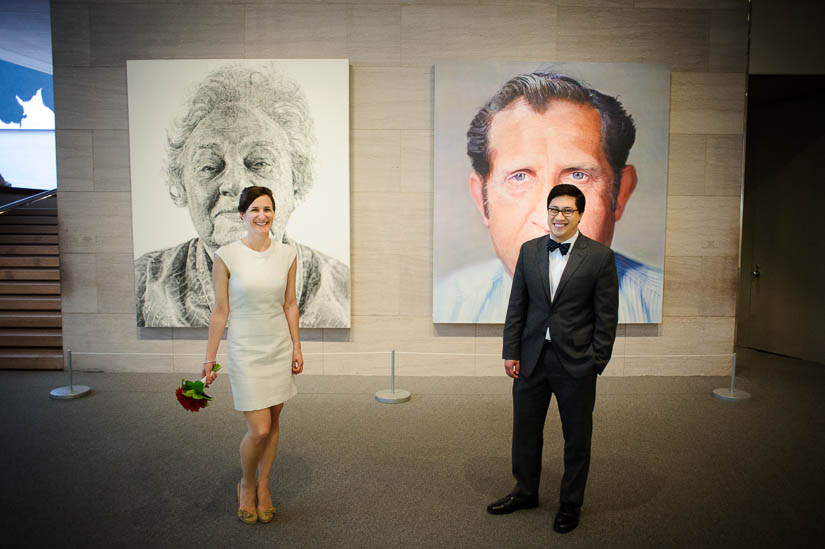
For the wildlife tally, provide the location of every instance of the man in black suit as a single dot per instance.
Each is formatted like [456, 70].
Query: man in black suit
[558, 336]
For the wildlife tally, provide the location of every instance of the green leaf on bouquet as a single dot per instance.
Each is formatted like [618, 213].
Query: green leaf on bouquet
[194, 389]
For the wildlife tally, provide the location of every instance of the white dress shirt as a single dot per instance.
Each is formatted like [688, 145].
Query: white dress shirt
[557, 264]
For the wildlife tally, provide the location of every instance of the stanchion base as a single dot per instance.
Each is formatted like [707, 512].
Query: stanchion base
[389, 397]
[731, 396]
[65, 393]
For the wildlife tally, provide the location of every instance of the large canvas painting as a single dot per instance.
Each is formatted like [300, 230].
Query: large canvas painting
[505, 134]
[200, 131]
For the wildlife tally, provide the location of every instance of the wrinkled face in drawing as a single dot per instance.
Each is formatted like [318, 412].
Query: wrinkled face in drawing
[531, 153]
[232, 148]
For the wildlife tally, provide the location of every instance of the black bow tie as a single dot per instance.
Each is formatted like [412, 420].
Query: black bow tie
[552, 245]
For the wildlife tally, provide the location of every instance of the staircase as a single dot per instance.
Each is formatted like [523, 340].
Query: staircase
[31, 335]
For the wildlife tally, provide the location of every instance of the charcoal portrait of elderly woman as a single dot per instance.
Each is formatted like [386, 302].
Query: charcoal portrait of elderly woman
[241, 126]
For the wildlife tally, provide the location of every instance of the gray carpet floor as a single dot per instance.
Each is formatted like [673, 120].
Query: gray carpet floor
[671, 466]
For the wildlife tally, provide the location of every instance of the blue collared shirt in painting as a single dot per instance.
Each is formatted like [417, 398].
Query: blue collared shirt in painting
[479, 293]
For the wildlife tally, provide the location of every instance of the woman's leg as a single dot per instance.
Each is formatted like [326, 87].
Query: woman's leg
[253, 446]
[268, 458]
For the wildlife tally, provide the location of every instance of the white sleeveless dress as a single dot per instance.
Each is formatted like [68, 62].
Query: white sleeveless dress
[258, 344]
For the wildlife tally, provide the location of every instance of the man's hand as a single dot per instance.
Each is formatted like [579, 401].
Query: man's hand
[511, 367]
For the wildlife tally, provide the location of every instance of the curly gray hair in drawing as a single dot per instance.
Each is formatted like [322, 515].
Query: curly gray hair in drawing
[539, 89]
[278, 96]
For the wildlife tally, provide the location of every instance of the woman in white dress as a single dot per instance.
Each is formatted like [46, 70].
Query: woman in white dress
[254, 281]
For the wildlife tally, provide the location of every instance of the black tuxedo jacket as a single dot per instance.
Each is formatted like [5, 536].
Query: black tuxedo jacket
[582, 317]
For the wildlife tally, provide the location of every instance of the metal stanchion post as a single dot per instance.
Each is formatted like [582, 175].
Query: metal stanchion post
[392, 396]
[71, 390]
[732, 395]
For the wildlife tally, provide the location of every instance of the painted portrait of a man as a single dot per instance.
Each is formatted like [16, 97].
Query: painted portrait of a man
[537, 129]
[238, 125]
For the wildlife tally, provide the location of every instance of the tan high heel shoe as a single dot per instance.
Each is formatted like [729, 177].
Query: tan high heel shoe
[246, 517]
[266, 516]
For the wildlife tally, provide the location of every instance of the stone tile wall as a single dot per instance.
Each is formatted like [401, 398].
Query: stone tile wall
[392, 45]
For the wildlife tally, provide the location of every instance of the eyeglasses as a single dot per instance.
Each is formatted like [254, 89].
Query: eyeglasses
[566, 212]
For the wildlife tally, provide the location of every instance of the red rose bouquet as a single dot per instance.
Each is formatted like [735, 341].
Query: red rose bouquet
[190, 393]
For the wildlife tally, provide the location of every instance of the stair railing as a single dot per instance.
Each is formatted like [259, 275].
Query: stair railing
[28, 200]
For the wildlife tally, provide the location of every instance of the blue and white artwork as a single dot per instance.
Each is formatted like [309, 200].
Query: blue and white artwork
[26, 98]
[27, 144]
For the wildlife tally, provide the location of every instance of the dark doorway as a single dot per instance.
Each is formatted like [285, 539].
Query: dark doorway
[781, 306]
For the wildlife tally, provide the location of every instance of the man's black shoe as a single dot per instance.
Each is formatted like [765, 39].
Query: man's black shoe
[510, 503]
[567, 518]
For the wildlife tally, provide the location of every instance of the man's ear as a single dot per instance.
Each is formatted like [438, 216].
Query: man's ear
[626, 186]
[477, 193]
